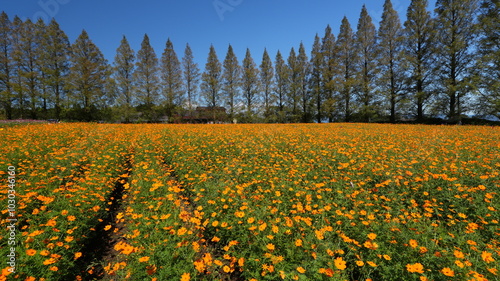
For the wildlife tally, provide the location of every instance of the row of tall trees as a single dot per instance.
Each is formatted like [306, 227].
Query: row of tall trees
[445, 63]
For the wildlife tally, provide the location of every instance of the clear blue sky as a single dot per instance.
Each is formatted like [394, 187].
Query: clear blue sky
[255, 24]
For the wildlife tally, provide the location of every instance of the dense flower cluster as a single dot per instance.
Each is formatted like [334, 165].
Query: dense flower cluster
[261, 202]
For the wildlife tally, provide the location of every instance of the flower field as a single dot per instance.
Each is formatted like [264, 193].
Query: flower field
[251, 202]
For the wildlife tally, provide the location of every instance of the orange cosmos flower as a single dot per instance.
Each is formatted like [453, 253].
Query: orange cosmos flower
[263, 226]
[458, 254]
[448, 272]
[77, 255]
[144, 259]
[459, 264]
[186, 277]
[415, 268]
[181, 231]
[49, 261]
[199, 265]
[487, 257]
[413, 243]
[372, 236]
[301, 269]
[30, 252]
[340, 263]
[270, 247]
[51, 222]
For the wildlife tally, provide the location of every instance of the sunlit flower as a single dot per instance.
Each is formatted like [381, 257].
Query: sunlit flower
[448, 271]
[340, 263]
[415, 268]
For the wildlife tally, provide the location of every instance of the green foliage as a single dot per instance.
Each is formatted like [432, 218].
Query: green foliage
[231, 80]
[367, 68]
[282, 75]
[191, 76]
[431, 67]
[489, 58]
[317, 70]
[171, 74]
[212, 79]
[304, 69]
[347, 60]
[146, 75]
[391, 61]
[250, 82]
[456, 25]
[330, 65]
[419, 54]
[123, 69]
[6, 67]
[266, 75]
[88, 78]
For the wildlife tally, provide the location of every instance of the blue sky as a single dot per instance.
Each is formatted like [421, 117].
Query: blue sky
[254, 24]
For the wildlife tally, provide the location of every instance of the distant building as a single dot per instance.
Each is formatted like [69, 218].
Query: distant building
[203, 115]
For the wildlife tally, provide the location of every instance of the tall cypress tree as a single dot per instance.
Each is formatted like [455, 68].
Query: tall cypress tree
[6, 68]
[250, 83]
[267, 82]
[191, 76]
[456, 25]
[212, 79]
[391, 58]
[231, 76]
[89, 74]
[124, 66]
[366, 43]
[25, 56]
[44, 93]
[305, 95]
[317, 70]
[171, 74]
[146, 77]
[330, 70]
[294, 89]
[56, 51]
[347, 60]
[419, 53]
[282, 74]
[17, 60]
[489, 60]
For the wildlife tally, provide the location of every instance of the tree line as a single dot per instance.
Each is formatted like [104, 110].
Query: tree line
[445, 63]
